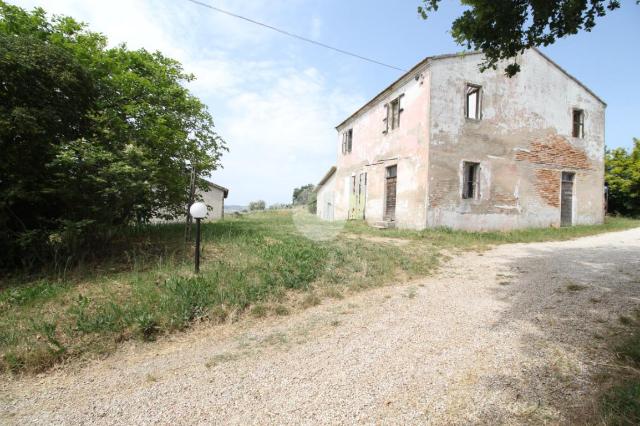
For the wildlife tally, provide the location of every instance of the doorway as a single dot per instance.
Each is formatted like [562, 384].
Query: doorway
[390, 193]
[358, 196]
[566, 199]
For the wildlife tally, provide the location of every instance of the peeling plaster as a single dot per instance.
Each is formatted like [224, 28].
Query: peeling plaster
[523, 142]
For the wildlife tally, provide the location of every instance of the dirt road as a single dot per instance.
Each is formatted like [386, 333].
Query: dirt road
[513, 335]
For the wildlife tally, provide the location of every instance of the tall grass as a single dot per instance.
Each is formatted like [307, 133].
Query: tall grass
[259, 262]
[470, 239]
[257, 259]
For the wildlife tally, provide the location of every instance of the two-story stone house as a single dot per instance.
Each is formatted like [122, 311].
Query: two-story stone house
[447, 145]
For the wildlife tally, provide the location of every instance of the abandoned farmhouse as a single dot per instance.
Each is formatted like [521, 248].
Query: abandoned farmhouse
[447, 145]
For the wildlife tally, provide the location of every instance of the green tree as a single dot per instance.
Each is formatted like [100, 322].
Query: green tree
[301, 195]
[312, 202]
[257, 205]
[622, 174]
[502, 29]
[92, 137]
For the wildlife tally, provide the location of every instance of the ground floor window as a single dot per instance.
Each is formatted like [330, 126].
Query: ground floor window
[471, 180]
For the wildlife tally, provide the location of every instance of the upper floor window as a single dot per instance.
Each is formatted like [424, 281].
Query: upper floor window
[472, 103]
[392, 114]
[347, 141]
[578, 123]
[471, 180]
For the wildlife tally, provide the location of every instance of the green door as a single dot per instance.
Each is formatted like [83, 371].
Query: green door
[358, 196]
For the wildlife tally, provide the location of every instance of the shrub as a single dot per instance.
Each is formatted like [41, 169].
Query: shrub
[257, 205]
[106, 149]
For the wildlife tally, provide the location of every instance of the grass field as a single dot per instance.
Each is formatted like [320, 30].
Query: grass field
[620, 400]
[259, 264]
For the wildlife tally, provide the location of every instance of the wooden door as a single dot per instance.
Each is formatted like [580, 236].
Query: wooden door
[566, 199]
[390, 193]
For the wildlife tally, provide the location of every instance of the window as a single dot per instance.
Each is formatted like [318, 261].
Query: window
[392, 171]
[347, 141]
[395, 113]
[392, 114]
[578, 123]
[471, 180]
[472, 104]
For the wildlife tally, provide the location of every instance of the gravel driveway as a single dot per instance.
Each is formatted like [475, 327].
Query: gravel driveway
[513, 335]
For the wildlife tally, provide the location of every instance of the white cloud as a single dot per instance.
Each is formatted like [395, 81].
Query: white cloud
[276, 115]
[283, 135]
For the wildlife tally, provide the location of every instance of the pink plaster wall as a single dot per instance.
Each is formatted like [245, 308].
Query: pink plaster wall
[406, 146]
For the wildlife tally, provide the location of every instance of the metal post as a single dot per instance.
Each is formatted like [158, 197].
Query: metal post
[197, 245]
[192, 192]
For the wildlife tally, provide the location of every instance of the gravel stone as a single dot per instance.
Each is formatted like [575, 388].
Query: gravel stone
[491, 338]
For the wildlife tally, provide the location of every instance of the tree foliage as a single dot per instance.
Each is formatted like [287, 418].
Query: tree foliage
[502, 29]
[257, 205]
[279, 206]
[312, 202]
[91, 137]
[622, 174]
[301, 195]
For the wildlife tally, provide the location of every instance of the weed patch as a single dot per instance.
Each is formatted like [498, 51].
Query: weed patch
[222, 358]
[281, 310]
[310, 300]
[575, 287]
[625, 320]
[259, 311]
[620, 402]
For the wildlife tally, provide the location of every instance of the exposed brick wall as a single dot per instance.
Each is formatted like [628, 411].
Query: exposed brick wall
[440, 189]
[548, 186]
[555, 151]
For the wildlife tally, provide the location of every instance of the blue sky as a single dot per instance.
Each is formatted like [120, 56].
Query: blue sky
[276, 100]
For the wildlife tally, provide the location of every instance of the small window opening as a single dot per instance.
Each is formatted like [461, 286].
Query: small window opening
[385, 120]
[395, 113]
[347, 141]
[578, 123]
[472, 107]
[471, 181]
[392, 171]
[393, 110]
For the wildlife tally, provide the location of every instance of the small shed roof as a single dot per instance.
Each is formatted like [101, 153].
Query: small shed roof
[326, 177]
[221, 188]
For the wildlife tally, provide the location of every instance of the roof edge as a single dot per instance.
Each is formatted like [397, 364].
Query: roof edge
[383, 92]
[413, 69]
[221, 188]
[428, 59]
[325, 178]
[565, 72]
